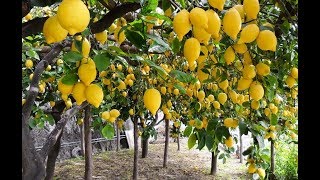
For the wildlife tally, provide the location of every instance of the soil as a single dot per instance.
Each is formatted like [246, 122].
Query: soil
[184, 164]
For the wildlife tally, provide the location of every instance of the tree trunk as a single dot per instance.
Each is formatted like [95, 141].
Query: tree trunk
[118, 137]
[88, 145]
[272, 176]
[241, 148]
[178, 141]
[213, 170]
[165, 158]
[81, 126]
[135, 141]
[52, 157]
[145, 144]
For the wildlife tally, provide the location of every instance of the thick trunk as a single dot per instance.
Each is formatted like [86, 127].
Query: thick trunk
[52, 157]
[118, 137]
[165, 157]
[81, 126]
[241, 148]
[88, 145]
[272, 176]
[214, 158]
[178, 141]
[135, 159]
[145, 144]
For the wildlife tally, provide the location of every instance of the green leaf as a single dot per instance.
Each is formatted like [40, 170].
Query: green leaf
[165, 4]
[160, 16]
[122, 60]
[33, 54]
[246, 104]
[86, 32]
[274, 119]
[159, 69]
[148, 6]
[209, 141]
[260, 140]
[159, 41]
[108, 131]
[182, 3]
[187, 131]
[183, 77]
[205, 70]
[32, 123]
[117, 50]
[136, 38]
[192, 140]
[181, 89]
[202, 141]
[243, 128]
[102, 61]
[221, 156]
[212, 124]
[176, 45]
[222, 131]
[270, 94]
[155, 48]
[50, 119]
[70, 79]
[72, 56]
[247, 151]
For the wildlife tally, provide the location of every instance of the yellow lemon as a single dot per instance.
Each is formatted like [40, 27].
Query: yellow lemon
[191, 50]
[78, 93]
[201, 95]
[94, 95]
[198, 17]
[267, 40]
[290, 81]
[216, 104]
[152, 100]
[233, 96]
[228, 122]
[256, 91]
[261, 172]
[105, 115]
[229, 55]
[249, 34]
[28, 63]
[64, 88]
[231, 23]
[251, 8]
[243, 84]
[87, 73]
[229, 142]
[114, 113]
[255, 104]
[224, 84]
[247, 58]
[252, 168]
[214, 23]
[249, 71]
[211, 98]
[222, 98]
[52, 30]
[101, 36]
[262, 69]
[73, 15]
[181, 23]
[240, 48]
[201, 34]
[240, 10]
[294, 72]
[119, 37]
[217, 4]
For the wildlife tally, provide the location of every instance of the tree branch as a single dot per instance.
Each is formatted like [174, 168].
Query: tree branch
[109, 5]
[51, 140]
[33, 26]
[115, 13]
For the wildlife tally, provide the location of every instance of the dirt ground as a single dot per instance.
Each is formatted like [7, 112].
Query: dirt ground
[184, 164]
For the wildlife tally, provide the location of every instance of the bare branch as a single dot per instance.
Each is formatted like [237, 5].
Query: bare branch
[33, 26]
[107, 5]
[52, 138]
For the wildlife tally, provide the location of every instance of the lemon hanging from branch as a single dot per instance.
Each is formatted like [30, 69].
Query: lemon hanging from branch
[94, 95]
[152, 100]
[231, 23]
[267, 40]
[52, 30]
[251, 8]
[191, 50]
[181, 23]
[217, 4]
[73, 15]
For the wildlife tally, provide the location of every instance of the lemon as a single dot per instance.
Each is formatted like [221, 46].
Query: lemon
[105, 115]
[85, 47]
[231, 23]
[64, 88]
[114, 113]
[201, 75]
[29, 63]
[87, 73]
[267, 112]
[290, 81]
[176, 92]
[198, 17]
[163, 90]
[52, 103]
[191, 50]
[189, 92]
[48, 68]
[274, 110]
[122, 85]
[267, 40]
[169, 104]
[240, 10]
[228, 122]
[168, 12]
[252, 168]
[59, 62]
[261, 172]
[249, 34]
[73, 15]
[64, 97]
[119, 37]
[130, 82]
[238, 65]
[201, 95]
[240, 48]
[211, 98]
[255, 104]
[243, 84]
[201, 34]
[216, 104]
[181, 23]
[222, 98]
[214, 87]
[224, 84]
[214, 23]
[152, 100]
[272, 128]
[262, 69]
[273, 135]
[217, 4]
[78, 93]
[229, 142]
[101, 36]
[294, 72]
[203, 57]
[68, 103]
[52, 30]
[249, 71]
[251, 8]
[94, 95]
[28, 17]
[256, 91]
[233, 96]
[229, 55]
[247, 58]
[235, 123]
[131, 112]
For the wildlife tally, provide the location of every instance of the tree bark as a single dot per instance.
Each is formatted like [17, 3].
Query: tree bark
[241, 147]
[81, 126]
[213, 170]
[52, 157]
[118, 137]
[165, 158]
[145, 144]
[135, 141]
[272, 176]
[88, 145]
[178, 141]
